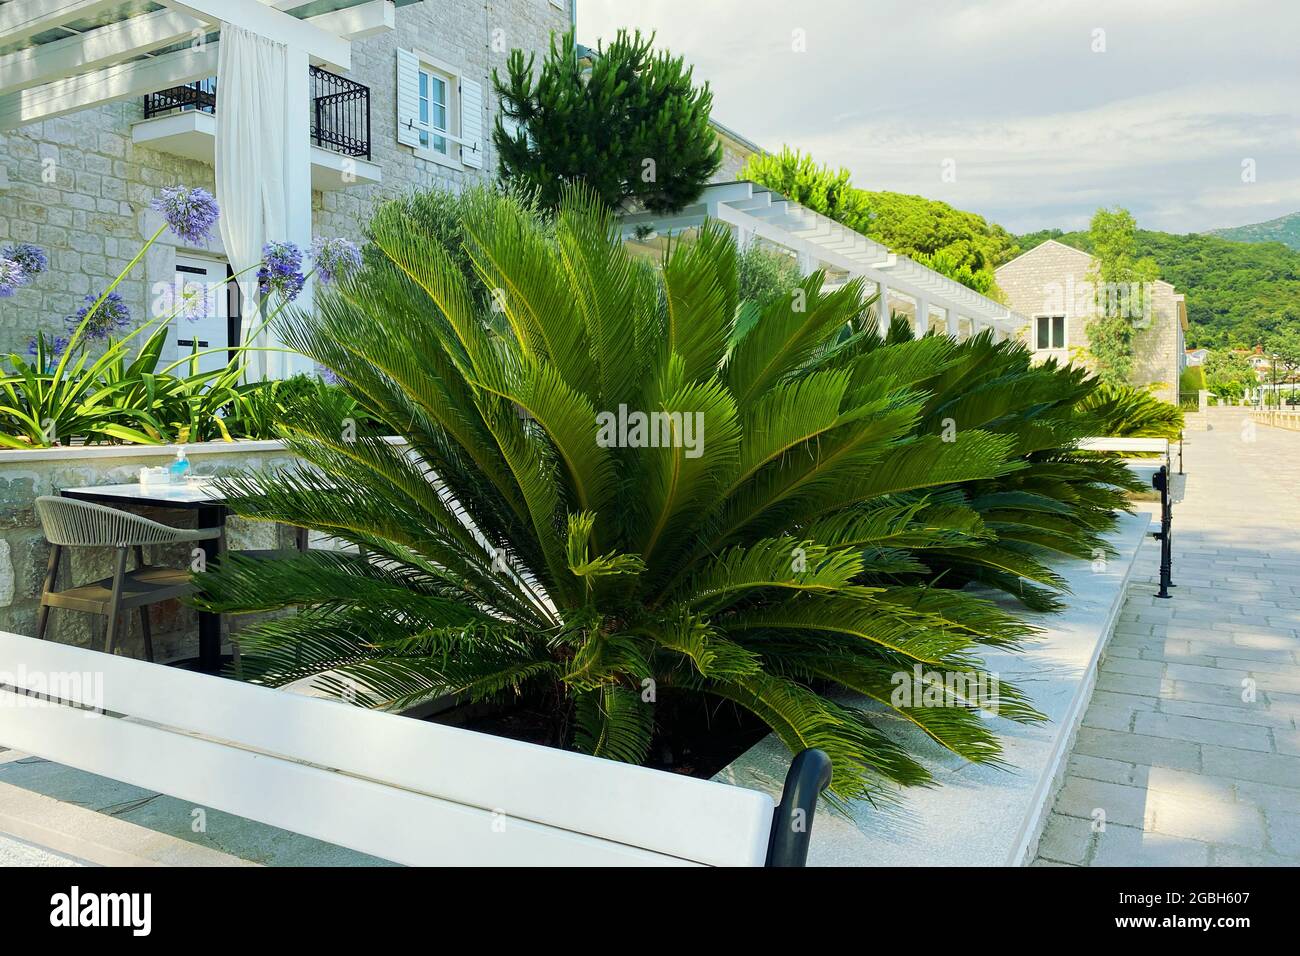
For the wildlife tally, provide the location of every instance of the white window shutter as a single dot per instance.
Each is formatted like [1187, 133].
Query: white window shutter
[471, 123]
[408, 98]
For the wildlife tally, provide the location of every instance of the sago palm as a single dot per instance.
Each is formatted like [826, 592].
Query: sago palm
[1060, 502]
[766, 548]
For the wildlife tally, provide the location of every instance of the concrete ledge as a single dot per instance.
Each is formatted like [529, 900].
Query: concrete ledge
[80, 453]
[89, 837]
[980, 815]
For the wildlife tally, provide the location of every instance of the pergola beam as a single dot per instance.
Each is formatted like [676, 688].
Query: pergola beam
[18, 21]
[119, 82]
[359, 22]
[85, 52]
[321, 45]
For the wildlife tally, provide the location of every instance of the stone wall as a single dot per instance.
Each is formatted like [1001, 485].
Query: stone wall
[735, 153]
[79, 188]
[24, 553]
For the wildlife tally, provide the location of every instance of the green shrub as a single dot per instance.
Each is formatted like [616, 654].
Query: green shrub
[764, 274]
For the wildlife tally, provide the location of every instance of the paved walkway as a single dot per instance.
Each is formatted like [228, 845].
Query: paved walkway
[1189, 753]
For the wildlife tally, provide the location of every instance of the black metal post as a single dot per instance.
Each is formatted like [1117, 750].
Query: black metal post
[809, 775]
[210, 516]
[1161, 483]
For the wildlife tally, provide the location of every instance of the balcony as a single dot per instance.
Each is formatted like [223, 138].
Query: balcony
[182, 121]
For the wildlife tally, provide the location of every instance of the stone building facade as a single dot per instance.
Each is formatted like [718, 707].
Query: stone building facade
[79, 186]
[1050, 285]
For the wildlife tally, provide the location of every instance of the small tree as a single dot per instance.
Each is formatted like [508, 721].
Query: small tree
[632, 128]
[1229, 374]
[1119, 279]
[1283, 349]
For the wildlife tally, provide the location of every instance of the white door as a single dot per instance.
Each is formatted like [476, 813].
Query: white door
[203, 316]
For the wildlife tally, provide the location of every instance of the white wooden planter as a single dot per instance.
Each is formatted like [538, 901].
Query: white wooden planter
[400, 789]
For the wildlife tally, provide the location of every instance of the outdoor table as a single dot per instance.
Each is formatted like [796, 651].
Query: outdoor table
[201, 497]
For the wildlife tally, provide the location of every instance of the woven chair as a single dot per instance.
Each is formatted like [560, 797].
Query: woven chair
[79, 524]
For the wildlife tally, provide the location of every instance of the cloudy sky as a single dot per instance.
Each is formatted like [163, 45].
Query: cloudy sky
[1039, 127]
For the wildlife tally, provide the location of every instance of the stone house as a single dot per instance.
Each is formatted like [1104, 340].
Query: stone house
[1050, 285]
[415, 109]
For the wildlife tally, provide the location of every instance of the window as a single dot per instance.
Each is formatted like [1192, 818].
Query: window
[434, 110]
[1049, 332]
[440, 111]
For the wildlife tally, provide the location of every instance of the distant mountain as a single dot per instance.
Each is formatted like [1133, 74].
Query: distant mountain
[1283, 229]
[1237, 292]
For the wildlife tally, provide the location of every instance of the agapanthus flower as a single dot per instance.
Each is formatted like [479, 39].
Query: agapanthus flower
[31, 258]
[191, 213]
[334, 258]
[54, 347]
[281, 270]
[11, 277]
[112, 315]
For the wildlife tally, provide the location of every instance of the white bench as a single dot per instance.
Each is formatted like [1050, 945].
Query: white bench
[393, 787]
[1161, 479]
[1160, 446]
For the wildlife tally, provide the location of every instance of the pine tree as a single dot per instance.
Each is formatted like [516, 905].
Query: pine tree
[632, 127]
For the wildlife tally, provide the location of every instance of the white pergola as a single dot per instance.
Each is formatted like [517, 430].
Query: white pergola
[60, 56]
[818, 242]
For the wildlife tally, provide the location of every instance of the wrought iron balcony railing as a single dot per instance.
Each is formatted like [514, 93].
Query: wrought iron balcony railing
[340, 109]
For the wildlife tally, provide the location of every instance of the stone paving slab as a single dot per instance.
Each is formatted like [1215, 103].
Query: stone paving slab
[1189, 752]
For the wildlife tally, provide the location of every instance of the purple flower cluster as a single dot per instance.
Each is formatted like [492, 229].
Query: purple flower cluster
[31, 258]
[11, 277]
[19, 264]
[281, 270]
[54, 348]
[112, 315]
[335, 258]
[191, 213]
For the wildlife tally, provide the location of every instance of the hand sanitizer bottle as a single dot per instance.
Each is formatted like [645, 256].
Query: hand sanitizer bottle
[180, 468]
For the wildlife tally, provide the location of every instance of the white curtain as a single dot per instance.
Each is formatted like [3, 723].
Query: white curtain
[252, 116]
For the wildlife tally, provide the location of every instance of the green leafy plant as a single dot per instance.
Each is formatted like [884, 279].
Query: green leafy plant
[40, 408]
[632, 127]
[780, 561]
[260, 410]
[763, 274]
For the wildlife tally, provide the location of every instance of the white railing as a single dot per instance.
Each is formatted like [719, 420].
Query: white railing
[1278, 417]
